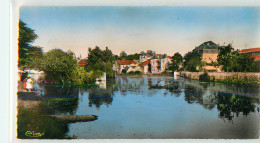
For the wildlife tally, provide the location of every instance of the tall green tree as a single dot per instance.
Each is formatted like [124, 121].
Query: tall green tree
[193, 62]
[100, 61]
[233, 61]
[176, 61]
[29, 56]
[59, 65]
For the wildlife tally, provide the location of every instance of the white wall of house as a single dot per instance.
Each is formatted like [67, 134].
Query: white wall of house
[145, 69]
[163, 65]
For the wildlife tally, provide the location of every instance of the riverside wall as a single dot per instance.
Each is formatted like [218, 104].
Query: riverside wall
[222, 76]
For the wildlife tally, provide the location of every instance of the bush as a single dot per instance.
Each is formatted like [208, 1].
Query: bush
[138, 72]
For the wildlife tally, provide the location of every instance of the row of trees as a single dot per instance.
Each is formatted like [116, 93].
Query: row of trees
[61, 66]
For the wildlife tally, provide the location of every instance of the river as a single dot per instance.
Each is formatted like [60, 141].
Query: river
[127, 108]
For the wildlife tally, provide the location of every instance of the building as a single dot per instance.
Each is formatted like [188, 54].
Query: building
[253, 53]
[122, 64]
[146, 66]
[209, 51]
[159, 65]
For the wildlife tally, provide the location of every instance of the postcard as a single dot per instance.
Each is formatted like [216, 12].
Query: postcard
[137, 72]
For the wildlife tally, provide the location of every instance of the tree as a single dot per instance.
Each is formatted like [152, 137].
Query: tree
[193, 62]
[133, 56]
[29, 55]
[100, 61]
[176, 61]
[123, 55]
[59, 65]
[234, 61]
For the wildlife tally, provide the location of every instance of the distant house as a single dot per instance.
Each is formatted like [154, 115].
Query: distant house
[134, 67]
[82, 63]
[119, 65]
[209, 51]
[145, 66]
[159, 65]
[253, 53]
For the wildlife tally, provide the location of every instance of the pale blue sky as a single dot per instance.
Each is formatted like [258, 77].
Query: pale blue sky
[135, 29]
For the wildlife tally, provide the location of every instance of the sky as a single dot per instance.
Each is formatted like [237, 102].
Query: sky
[163, 29]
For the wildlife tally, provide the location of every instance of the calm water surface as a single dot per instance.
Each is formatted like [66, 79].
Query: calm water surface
[128, 108]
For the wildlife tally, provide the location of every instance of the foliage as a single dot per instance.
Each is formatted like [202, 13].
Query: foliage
[225, 50]
[176, 61]
[193, 62]
[29, 56]
[133, 57]
[234, 61]
[135, 72]
[100, 61]
[79, 75]
[59, 65]
[123, 55]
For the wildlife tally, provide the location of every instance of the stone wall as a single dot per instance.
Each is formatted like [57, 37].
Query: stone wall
[220, 76]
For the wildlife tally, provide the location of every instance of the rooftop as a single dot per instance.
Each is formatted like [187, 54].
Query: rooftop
[125, 62]
[82, 63]
[207, 45]
[145, 63]
[251, 50]
[257, 57]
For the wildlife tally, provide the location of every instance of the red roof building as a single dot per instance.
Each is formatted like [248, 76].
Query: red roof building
[125, 62]
[82, 63]
[252, 50]
[145, 63]
[256, 57]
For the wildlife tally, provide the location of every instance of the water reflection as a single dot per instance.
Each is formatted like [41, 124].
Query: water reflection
[230, 99]
[33, 112]
[137, 107]
[231, 106]
[99, 96]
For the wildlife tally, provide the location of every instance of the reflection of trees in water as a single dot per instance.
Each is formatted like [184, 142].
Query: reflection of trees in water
[60, 105]
[35, 119]
[98, 96]
[230, 105]
[60, 91]
[176, 89]
[62, 101]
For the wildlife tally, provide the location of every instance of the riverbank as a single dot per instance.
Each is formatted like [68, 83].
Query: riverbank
[146, 75]
[227, 77]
